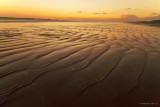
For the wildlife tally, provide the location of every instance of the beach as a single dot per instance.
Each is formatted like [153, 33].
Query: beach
[79, 64]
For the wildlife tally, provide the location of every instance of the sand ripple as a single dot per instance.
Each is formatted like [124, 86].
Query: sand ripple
[79, 65]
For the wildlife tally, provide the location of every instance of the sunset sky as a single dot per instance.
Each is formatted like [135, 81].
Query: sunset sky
[79, 8]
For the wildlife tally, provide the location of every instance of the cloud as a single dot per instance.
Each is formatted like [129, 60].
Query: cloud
[79, 12]
[129, 18]
[128, 9]
[96, 13]
[123, 18]
[100, 13]
[154, 13]
[155, 17]
[132, 18]
[137, 9]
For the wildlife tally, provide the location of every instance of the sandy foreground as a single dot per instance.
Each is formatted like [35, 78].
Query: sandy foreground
[79, 65]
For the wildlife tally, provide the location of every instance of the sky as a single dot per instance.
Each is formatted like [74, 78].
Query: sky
[65, 9]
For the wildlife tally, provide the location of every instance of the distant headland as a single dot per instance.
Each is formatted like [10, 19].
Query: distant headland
[151, 23]
[15, 19]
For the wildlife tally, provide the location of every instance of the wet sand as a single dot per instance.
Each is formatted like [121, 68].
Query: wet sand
[79, 65]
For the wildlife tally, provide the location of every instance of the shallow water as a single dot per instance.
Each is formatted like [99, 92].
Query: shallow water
[72, 62]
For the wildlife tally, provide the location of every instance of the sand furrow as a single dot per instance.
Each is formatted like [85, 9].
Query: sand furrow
[16, 51]
[88, 61]
[20, 85]
[13, 58]
[59, 54]
[44, 52]
[135, 61]
[24, 46]
[15, 66]
[107, 70]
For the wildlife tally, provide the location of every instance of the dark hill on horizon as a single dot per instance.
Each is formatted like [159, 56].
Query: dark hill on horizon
[151, 23]
[15, 19]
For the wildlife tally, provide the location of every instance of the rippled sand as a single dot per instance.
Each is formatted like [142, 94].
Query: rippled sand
[79, 65]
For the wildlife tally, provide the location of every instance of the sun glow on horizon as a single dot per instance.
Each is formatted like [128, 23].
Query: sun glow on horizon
[78, 8]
